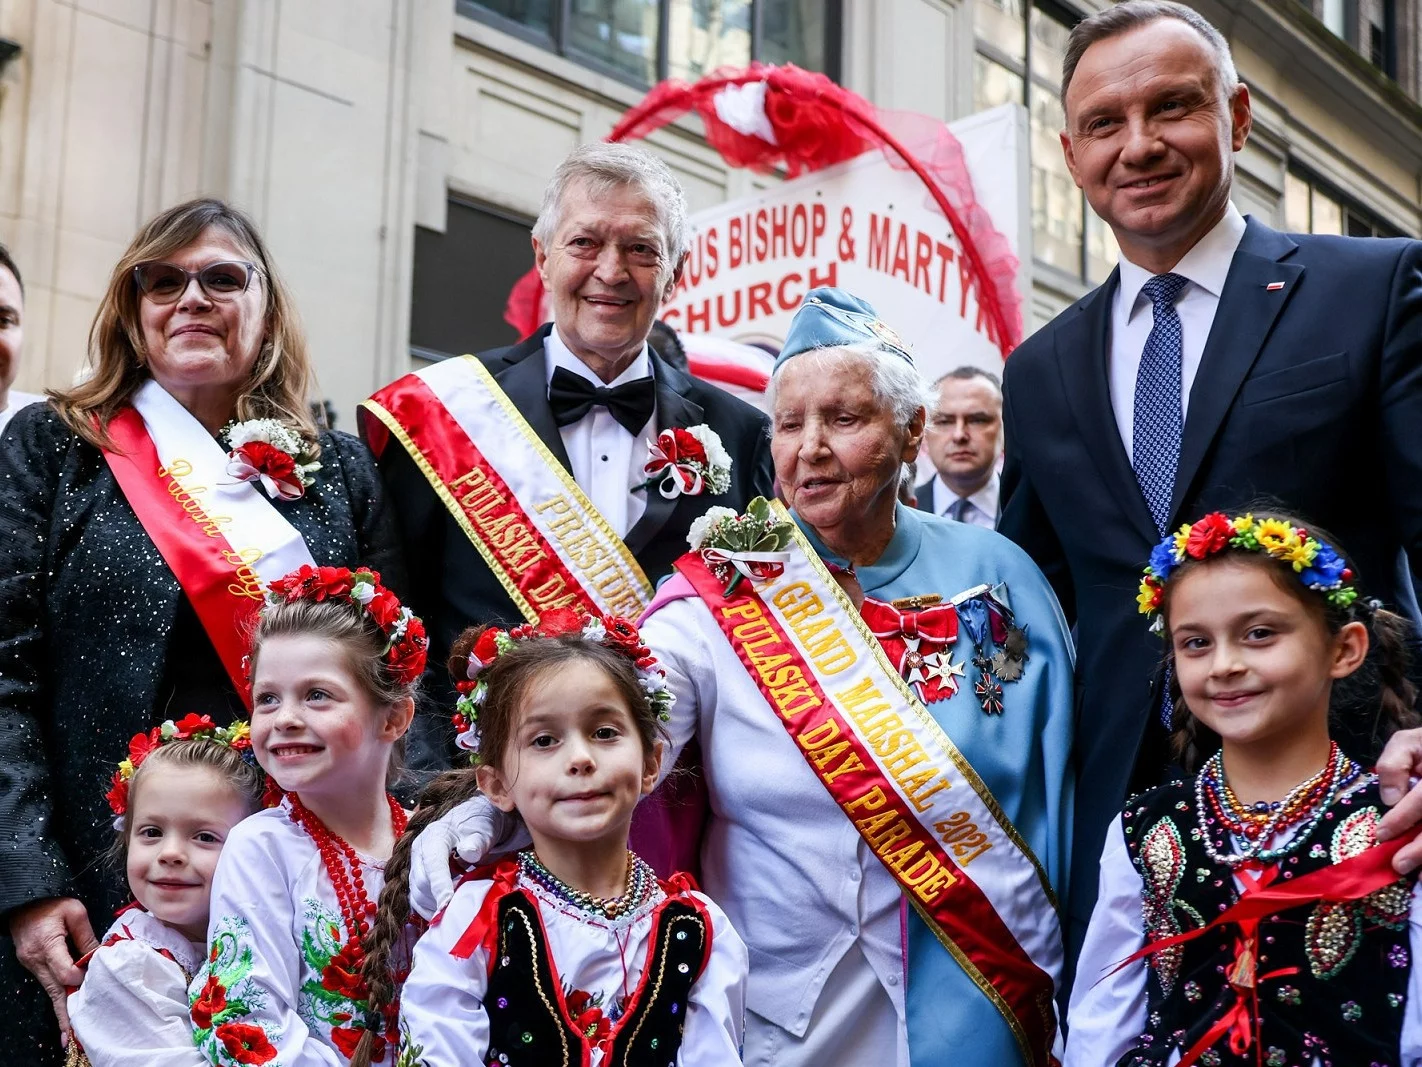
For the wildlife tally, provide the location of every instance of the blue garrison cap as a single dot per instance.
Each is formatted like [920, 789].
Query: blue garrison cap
[830, 318]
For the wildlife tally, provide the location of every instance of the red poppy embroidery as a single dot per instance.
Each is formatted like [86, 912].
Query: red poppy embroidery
[246, 1043]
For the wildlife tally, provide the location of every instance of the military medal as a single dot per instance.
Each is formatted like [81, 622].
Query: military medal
[989, 693]
[916, 633]
[1008, 661]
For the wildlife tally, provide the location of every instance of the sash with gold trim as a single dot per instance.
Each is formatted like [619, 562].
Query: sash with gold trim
[541, 536]
[914, 798]
[223, 539]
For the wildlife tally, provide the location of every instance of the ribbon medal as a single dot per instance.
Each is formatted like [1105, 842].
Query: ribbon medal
[918, 643]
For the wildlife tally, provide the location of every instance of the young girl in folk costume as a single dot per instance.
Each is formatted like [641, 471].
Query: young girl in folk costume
[571, 953]
[334, 663]
[181, 790]
[1256, 923]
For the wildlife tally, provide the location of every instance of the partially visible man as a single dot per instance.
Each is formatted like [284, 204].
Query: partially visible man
[1221, 363]
[964, 442]
[12, 337]
[528, 478]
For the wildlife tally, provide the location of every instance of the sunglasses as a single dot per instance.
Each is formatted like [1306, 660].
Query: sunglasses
[165, 283]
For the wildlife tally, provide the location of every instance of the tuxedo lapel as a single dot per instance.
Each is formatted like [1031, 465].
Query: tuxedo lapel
[522, 374]
[674, 409]
[1246, 314]
[1083, 355]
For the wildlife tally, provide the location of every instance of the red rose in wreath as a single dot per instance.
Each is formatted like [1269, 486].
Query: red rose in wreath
[487, 647]
[384, 608]
[193, 723]
[246, 1043]
[407, 658]
[117, 796]
[141, 744]
[211, 1001]
[1208, 536]
[561, 621]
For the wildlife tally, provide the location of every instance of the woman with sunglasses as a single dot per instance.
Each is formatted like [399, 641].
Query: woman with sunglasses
[141, 513]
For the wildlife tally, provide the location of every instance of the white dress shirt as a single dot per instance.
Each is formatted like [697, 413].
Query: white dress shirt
[821, 919]
[1205, 266]
[982, 505]
[607, 460]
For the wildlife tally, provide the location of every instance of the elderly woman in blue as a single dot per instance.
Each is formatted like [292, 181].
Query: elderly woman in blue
[829, 858]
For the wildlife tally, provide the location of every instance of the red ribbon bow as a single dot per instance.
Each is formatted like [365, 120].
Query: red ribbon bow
[917, 644]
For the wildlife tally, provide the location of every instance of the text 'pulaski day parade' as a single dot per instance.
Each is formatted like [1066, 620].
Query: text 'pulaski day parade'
[865, 533]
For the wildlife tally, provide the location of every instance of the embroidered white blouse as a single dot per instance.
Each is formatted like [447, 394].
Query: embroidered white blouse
[275, 990]
[1108, 1007]
[442, 1017]
[132, 1008]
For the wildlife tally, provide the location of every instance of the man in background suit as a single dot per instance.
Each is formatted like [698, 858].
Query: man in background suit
[609, 244]
[1221, 363]
[964, 442]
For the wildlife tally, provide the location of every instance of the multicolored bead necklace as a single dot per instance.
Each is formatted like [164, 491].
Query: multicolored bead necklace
[640, 887]
[344, 869]
[1217, 807]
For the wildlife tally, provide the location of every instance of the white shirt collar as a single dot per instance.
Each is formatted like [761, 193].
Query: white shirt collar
[560, 355]
[1206, 264]
[985, 499]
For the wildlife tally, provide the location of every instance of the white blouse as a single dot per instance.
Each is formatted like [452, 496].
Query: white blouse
[274, 990]
[132, 1008]
[442, 1017]
[1108, 1010]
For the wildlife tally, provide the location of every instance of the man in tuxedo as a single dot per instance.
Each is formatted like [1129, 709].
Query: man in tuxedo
[964, 442]
[609, 245]
[1222, 363]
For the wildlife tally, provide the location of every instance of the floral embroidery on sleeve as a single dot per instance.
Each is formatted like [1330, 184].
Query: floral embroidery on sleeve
[329, 1000]
[224, 993]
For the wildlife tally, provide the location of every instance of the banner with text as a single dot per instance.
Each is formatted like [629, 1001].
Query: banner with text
[871, 229]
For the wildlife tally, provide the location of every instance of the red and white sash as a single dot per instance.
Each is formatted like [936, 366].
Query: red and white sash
[542, 538]
[223, 540]
[914, 798]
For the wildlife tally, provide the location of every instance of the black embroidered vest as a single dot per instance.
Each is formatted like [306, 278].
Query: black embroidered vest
[1343, 1002]
[529, 1021]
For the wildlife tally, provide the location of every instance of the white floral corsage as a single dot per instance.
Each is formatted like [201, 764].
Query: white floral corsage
[688, 461]
[266, 451]
[741, 546]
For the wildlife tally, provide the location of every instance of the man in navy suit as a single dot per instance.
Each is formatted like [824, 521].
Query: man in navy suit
[1221, 363]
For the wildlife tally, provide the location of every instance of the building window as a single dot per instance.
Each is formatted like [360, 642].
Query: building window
[644, 41]
[1313, 207]
[1013, 37]
[462, 278]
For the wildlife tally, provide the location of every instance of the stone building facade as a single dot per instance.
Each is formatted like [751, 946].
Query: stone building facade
[393, 151]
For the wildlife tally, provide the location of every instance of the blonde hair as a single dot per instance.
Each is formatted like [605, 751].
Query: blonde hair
[282, 377]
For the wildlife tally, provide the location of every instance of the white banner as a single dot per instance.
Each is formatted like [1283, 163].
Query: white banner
[869, 228]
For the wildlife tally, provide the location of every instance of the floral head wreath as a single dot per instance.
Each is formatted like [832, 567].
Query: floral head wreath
[610, 631]
[237, 736]
[1317, 563]
[406, 645]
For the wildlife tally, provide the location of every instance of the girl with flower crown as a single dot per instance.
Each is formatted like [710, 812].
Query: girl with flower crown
[570, 951]
[1245, 916]
[335, 660]
[176, 798]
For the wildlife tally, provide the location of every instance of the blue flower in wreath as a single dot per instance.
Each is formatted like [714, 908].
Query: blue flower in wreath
[1326, 571]
[1162, 558]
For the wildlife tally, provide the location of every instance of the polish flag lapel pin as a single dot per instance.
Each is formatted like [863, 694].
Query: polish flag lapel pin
[1273, 287]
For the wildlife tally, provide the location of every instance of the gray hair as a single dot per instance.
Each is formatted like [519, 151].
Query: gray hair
[895, 381]
[1133, 14]
[603, 167]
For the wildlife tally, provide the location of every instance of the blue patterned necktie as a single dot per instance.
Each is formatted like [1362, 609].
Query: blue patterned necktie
[1155, 434]
[1159, 419]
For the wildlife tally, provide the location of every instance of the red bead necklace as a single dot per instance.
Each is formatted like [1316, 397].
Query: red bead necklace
[343, 868]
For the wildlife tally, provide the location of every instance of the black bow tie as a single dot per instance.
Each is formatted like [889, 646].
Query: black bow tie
[571, 396]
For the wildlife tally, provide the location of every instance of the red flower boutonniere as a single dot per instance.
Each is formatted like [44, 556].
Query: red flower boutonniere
[688, 461]
[269, 453]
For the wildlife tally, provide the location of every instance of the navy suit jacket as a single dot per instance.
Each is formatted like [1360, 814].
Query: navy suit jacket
[1309, 393]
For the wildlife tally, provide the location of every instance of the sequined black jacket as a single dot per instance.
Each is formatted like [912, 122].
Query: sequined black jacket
[87, 607]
